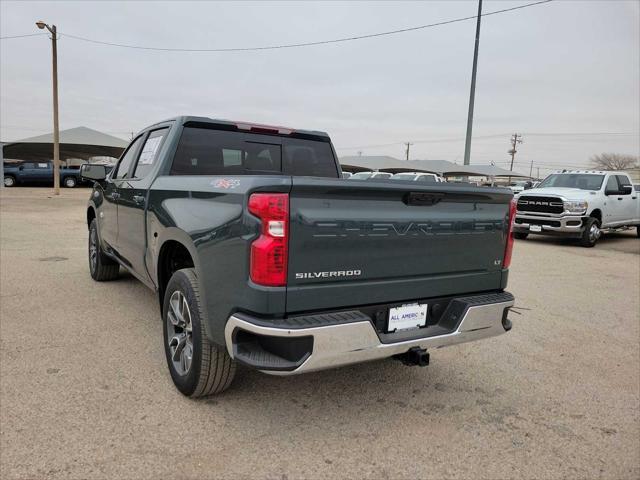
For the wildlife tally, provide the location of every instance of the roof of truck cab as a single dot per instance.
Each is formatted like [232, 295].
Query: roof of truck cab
[217, 121]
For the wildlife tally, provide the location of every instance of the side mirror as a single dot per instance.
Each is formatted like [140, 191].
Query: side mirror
[611, 191]
[626, 189]
[96, 173]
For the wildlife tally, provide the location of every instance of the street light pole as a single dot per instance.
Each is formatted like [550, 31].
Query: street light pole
[56, 127]
[472, 94]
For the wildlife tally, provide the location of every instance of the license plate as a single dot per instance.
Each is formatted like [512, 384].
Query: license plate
[408, 316]
[535, 228]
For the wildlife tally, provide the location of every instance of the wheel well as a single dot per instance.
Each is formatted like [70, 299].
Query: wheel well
[173, 257]
[91, 214]
[597, 214]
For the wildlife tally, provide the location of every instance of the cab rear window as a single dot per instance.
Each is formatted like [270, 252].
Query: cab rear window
[203, 151]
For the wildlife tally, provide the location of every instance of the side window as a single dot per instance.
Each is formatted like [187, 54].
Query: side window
[623, 181]
[231, 157]
[612, 183]
[43, 166]
[122, 169]
[149, 152]
[29, 166]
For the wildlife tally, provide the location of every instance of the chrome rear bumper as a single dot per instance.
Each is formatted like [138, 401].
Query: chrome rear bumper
[344, 344]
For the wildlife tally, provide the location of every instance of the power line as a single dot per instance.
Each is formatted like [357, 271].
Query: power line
[301, 44]
[22, 36]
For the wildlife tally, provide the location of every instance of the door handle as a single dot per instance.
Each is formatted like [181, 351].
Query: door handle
[139, 199]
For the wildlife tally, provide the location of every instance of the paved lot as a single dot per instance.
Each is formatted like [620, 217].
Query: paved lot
[85, 392]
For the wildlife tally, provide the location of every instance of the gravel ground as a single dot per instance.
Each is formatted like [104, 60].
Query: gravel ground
[85, 392]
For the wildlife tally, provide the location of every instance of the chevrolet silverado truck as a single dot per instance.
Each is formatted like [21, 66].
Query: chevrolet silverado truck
[38, 173]
[578, 204]
[262, 255]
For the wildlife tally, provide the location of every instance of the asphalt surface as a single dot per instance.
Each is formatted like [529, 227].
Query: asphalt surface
[85, 392]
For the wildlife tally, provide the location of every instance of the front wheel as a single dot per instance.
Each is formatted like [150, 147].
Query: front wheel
[9, 181]
[591, 233]
[520, 235]
[70, 182]
[197, 366]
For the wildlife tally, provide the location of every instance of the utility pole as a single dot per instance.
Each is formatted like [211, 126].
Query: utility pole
[407, 151]
[531, 169]
[472, 94]
[56, 127]
[359, 153]
[516, 138]
[538, 175]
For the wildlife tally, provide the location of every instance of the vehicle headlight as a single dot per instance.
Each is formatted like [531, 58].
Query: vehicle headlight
[575, 206]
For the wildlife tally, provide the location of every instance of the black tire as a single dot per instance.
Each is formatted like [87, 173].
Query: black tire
[588, 238]
[520, 235]
[9, 181]
[70, 182]
[638, 231]
[101, 267]
[211, 368]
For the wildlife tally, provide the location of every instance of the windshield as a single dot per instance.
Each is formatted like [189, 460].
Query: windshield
[360, 176]
[573, 180]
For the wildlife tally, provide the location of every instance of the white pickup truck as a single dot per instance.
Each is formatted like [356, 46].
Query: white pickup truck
[578, 204]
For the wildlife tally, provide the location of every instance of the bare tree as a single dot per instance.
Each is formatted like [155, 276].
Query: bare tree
[614, 161]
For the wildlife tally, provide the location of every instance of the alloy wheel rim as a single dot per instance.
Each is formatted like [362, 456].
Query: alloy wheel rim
[93, 249]
[8, 182]
[594, 232]
[180, 333]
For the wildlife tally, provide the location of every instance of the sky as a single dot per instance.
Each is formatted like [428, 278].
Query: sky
[565, 74]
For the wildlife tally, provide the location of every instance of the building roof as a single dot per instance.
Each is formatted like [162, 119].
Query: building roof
[79, 142]
[441, 167]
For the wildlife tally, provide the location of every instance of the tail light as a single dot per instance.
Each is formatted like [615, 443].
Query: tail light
[509, 248]
[269, 252]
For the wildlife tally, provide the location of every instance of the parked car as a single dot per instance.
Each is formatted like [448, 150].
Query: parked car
[38, 173]
[520, 186]
[579, 204]
[418, 177]
[262, 255]
[371, 176]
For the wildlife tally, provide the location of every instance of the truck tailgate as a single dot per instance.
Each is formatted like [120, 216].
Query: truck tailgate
[352, 243]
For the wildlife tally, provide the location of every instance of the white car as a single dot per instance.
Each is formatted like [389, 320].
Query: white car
[371, 176]
[580, 204]
[418, 177]
[518, 187]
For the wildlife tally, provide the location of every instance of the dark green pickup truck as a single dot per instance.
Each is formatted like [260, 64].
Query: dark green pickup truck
[261, 254]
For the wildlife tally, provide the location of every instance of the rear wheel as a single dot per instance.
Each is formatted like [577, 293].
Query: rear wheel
[520, 235]
[102, 268]
[9, 181]
[591, 233]
[70, 182]
[197, 366]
